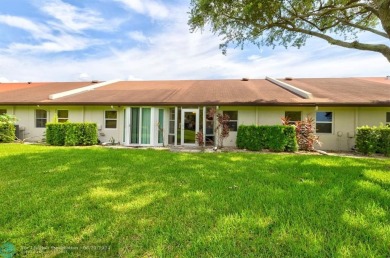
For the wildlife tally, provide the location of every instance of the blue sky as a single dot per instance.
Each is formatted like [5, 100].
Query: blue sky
[58, 40]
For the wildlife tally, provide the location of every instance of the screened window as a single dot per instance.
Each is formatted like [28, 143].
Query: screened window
[293, 116]
[110, 119]
[63, 116]
[3, 111]
[171, 132]
[40, 118]
[233, 116]
[324, 122]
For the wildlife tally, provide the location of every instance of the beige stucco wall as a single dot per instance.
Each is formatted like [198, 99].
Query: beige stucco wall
[95, 114]
[345, 121]
[26, 119]
[246, 116]
[372, 116]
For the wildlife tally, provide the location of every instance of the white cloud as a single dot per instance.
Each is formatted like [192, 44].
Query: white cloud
[254, 57]
[138, 36]
[174, 53]
[133, 78]
[58, 44]
[84, 77]
[74, 19]
[38, 31]
[55, 37]
[154, 9]
[3, 79]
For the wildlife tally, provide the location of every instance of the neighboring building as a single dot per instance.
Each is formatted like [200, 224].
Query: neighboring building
[153, 113]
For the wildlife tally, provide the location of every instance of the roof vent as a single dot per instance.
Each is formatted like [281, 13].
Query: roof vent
[245, 79]
[29, 82]
[288, 78]
[95, 81]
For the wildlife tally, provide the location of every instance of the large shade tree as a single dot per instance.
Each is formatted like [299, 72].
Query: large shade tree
[292, 22]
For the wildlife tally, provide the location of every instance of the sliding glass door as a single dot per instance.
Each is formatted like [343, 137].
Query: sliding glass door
[140, 126]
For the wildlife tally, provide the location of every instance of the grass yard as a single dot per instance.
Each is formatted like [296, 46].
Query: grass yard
[125, 202]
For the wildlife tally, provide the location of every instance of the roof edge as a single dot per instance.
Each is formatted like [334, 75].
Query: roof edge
[302, 93]
[80, 90]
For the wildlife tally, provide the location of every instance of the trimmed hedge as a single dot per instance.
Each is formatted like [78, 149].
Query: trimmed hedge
[71, 134]
[275, 138]
[7, 128]
[370, 140]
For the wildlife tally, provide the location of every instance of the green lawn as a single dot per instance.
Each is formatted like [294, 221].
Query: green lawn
[126, 202]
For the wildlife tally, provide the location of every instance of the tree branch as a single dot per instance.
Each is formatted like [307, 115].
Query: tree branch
[377, 32]
[380, 48]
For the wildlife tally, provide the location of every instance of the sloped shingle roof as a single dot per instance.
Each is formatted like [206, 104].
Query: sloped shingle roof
[325, 91]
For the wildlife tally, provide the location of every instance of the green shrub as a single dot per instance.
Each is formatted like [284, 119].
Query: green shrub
[71, 134]
[7, 128]
[384, 140]
[275, 138]
[370, 140]
[292, 142]
[366, 140]
[55, 133]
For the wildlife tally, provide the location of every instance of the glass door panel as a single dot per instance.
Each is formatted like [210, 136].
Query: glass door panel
[134, 126]
[160, 126]
[145, 130]
[190, 125]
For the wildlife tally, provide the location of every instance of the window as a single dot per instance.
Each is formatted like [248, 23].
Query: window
[209, 137]
[387, 118]
[62, 116]
[171, 132]
[293, 116]
[40, 118]
[110, 118]
[324, 121]
[3, 111]
[233, 116]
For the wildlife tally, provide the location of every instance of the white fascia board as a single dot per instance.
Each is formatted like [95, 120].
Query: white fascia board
[81, 90]
[296, 90]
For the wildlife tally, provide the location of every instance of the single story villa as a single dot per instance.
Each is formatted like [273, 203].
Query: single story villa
[157, 113]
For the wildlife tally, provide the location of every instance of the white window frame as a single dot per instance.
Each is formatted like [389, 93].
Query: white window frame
[232, 120]
[111, 119]
[41, 118]
[62, 118]
[292, 122]
[325, 122]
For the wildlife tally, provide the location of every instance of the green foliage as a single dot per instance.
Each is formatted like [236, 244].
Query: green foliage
[71, 134]
[153, 203]
[275, 138]
[291, 23]
[7, 128]
[384, 140]
[55, 133]
[370, 140]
